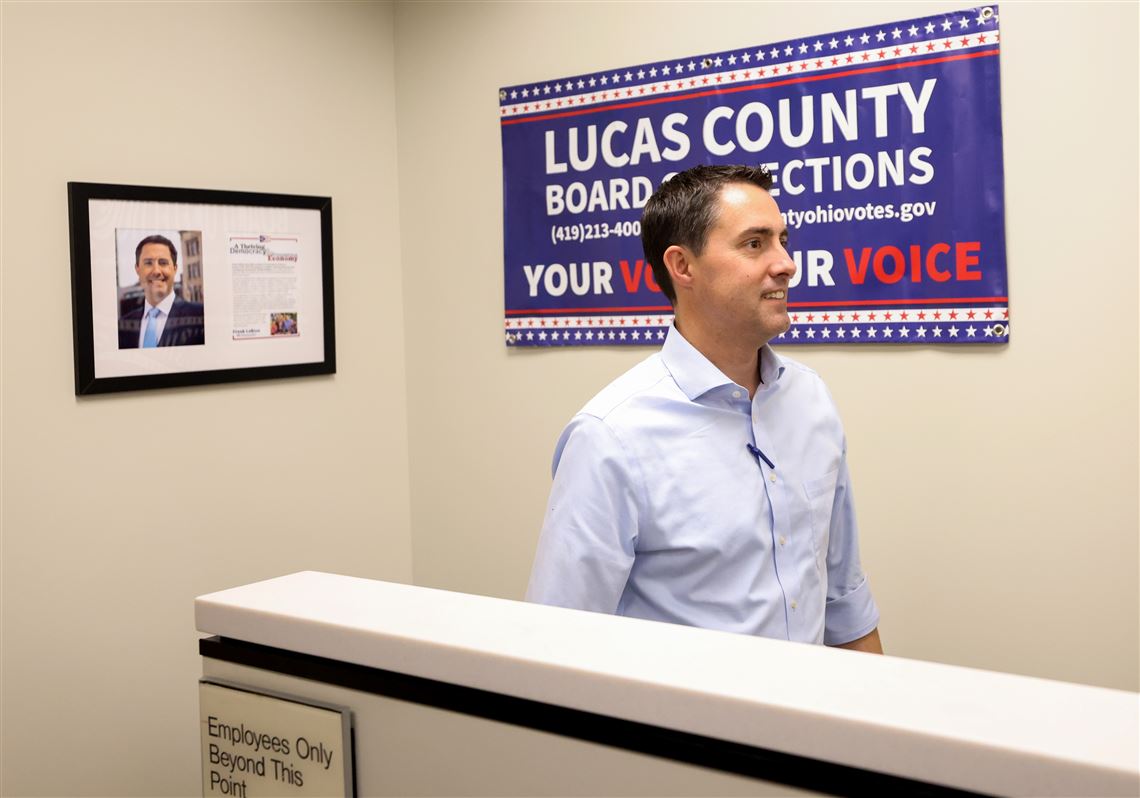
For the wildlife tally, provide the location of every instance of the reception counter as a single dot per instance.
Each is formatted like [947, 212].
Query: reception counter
[455, 694]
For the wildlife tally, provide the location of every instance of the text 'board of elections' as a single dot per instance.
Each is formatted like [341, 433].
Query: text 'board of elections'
[258, 745]
[885, 147]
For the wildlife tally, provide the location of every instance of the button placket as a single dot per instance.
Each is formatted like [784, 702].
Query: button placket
[775, 487]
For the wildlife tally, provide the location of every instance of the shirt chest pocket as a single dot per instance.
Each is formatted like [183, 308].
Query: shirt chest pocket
[819, 498]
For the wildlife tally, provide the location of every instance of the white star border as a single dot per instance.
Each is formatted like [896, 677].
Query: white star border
[696, 76]
[987, 324]
[584, 330]
[909, 332]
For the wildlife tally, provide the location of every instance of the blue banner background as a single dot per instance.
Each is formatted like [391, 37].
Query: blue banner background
[923, 93]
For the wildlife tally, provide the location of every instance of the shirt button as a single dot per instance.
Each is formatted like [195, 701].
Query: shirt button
[736, 394]
[772, 477]
[783, 540]
[793, 604]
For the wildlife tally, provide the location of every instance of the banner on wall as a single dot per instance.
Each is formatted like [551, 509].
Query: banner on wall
[885, 145]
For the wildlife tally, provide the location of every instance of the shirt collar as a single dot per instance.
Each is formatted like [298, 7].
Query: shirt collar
[165, 305]
[695, 374]
[771, 366]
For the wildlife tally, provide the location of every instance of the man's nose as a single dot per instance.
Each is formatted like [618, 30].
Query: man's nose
[784, 265]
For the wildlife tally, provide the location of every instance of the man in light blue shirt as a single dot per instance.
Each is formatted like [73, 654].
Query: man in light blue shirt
[163, 318]
[708, 485]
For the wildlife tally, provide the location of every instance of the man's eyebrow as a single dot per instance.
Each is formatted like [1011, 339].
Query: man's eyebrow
[762, 232]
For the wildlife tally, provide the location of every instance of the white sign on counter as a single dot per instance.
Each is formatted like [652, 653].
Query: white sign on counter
[260, 744]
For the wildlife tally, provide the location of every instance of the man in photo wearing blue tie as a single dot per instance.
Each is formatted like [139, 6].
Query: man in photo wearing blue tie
[708, 485]
[164, 319]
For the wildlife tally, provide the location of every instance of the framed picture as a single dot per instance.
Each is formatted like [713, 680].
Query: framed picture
[173, 286]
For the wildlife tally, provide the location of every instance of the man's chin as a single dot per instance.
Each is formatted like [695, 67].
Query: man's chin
[776, 327]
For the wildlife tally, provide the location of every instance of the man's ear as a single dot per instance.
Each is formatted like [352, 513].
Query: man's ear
[679, 263]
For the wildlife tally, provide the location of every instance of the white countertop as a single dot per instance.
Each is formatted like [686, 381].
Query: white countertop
[971, 729]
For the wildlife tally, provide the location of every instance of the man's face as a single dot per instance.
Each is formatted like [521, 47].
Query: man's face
[155, 268]
[741, 277]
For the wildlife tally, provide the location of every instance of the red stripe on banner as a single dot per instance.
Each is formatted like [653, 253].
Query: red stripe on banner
[748, 87]
[571, 311]
[667, 308]
[864, 302]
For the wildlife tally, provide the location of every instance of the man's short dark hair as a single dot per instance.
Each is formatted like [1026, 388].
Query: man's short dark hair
[683, 210]
[157, 239]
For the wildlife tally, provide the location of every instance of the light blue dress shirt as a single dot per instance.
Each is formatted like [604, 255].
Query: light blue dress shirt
[159, 321]
[660, 510]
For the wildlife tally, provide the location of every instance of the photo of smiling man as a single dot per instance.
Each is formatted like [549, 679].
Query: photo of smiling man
[160, 304]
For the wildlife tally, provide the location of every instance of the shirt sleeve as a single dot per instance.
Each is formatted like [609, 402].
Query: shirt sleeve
[589, 533]
[850, 612]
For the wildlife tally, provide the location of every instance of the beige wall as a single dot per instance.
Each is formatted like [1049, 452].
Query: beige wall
[997, 487]
[99, 649]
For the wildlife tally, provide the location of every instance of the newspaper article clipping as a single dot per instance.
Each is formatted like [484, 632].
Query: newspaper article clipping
[265, 285]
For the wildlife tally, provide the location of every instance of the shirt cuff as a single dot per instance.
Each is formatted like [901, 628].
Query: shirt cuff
[850, 617]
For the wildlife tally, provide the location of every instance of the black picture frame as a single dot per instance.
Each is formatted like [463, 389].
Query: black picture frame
[102, 364]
